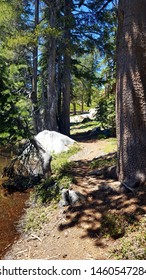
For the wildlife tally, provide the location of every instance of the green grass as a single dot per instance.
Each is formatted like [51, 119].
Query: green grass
[46, 194]
[113, 225]
[103, 162]
[83, 127]
[35, 218]
[110, 145]
[49, 190]
[133, 244]
[130, 234]
[60, 163]
[79, 108]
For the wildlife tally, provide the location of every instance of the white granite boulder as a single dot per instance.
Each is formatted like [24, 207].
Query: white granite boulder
[46, 143]
[37, 154]
[54, 142]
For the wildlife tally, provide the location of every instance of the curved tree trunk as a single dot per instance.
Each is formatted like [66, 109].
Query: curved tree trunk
[131, 92]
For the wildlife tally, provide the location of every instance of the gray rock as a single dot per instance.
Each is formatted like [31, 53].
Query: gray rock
[70, 197]
[54, 142]
[35, 159]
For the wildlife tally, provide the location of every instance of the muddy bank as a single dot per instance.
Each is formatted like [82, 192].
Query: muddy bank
[12, 207]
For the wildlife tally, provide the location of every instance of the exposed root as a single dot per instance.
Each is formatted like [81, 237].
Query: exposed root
[107, 172]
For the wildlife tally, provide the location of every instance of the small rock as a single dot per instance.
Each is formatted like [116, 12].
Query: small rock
[66, 234]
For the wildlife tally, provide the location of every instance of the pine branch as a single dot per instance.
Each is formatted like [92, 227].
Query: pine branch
[104, 6]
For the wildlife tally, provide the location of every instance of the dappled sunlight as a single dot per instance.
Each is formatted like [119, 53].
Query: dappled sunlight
[106, 211]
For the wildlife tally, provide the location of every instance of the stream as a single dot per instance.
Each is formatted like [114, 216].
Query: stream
[12, 206]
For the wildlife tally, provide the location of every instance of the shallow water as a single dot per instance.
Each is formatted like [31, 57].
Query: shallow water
[12, 206]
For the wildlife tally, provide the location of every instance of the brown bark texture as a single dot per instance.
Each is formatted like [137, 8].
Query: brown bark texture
[131, 92]
[34, 95]
[65, 116]
[52, 98]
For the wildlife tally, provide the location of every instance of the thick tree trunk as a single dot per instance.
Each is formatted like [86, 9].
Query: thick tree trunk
[52, 99]
[52, 108]
[34, 97]
[65, 117]
[59, 89]
[131, 92]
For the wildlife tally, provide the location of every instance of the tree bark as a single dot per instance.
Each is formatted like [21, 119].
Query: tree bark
[34, 97]
[131, 92]
[65, 117]
[52, 99]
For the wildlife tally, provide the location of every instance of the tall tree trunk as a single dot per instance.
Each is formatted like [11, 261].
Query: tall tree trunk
[74, 108]
[65, 118]
[131, 92]
[82, 103]
[52, 99]
[59, 88]
[89, 93]
[34, 97]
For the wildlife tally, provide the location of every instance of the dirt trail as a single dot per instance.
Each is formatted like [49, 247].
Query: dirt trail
[75, 233]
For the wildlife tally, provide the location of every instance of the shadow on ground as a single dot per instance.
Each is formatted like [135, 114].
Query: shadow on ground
[106, 210]
[92, 134]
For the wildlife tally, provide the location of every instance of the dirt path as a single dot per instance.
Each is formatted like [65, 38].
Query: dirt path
[81, 232]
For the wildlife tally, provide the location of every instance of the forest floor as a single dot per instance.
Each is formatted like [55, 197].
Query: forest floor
[108, 223]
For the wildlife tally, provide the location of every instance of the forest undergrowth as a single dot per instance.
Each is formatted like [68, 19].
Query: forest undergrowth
[108, 224]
